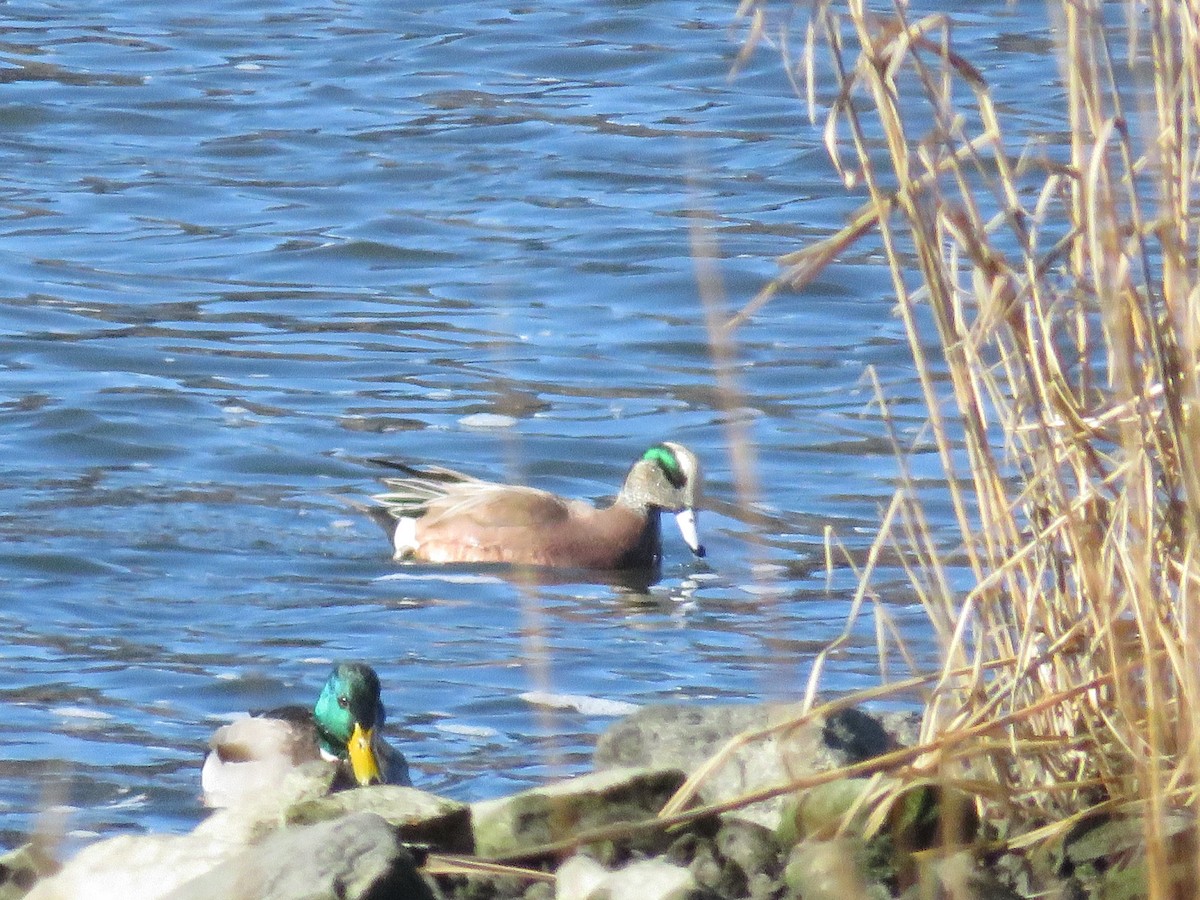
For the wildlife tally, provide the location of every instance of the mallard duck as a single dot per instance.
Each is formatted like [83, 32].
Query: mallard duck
[344, 727]
[435, 514]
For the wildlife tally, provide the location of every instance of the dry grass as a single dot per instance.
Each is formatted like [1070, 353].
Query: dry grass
[1065, 303]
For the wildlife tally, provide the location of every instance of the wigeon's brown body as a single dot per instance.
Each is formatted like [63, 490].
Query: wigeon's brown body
[443, 516]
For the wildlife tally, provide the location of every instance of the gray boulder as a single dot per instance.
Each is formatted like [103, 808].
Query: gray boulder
[686, 736]
[357, 857]
[151, 866]
[418, 817]
[133, 867]
[557, 811]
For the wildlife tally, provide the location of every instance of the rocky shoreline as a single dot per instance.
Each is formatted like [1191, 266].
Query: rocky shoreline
[604, 835]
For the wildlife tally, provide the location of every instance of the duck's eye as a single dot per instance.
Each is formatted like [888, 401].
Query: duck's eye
[344, 702]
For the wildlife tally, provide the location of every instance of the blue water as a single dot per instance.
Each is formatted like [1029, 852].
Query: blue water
[244, 245]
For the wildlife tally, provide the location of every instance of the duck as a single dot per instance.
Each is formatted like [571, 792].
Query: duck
[343, 727]
[437, 515]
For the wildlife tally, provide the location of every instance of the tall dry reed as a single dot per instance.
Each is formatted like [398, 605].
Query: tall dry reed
[1059, 287]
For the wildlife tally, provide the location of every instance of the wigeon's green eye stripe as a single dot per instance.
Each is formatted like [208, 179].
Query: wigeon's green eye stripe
[668, 462]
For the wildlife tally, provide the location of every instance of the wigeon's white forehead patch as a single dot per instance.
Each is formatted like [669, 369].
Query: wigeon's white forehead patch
[687, 461]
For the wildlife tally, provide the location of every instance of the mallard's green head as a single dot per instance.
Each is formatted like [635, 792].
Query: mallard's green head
[347, 715]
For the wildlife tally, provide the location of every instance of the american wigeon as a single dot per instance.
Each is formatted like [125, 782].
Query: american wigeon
[249, 754]
[439, 515]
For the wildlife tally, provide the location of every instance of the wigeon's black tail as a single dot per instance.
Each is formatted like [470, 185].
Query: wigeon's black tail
[377, 514]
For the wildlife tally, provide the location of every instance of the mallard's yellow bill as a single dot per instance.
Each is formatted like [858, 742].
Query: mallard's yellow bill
[363, 761]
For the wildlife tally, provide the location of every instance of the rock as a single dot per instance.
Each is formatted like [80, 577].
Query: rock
[150, 866]
[918, 819]
[1106, 856]
[820, 811]
[419, 817]
[649, 879]
[761, 886]
[904, 728]
[1100, 841]
[728, 863]
[855, 736]
[922, 818]
[357, 857]
[686, 736]
[683, 736]
[554, 812]
[578, 878]
[581, 878]
[960, 875]
[717, 874]
[829, 870]
[752, 847]
[21, 868]
[133, 867]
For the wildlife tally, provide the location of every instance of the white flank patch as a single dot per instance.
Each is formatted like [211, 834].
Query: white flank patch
[404, 538]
